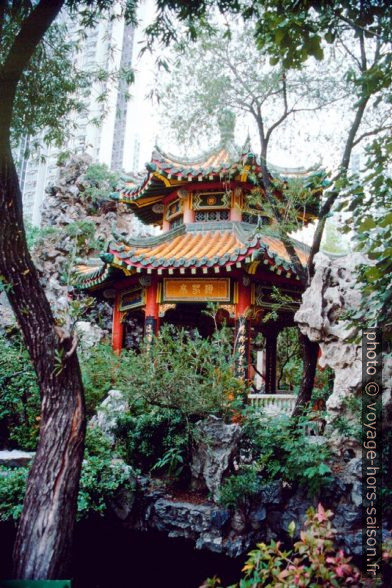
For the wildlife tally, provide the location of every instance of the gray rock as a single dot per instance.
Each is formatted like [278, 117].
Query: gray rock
[89, 334]
[180, 519]
[238, 546]
[123, 501]
[332, 292]
[347, 517]
[219, 518]
[271, 493]
[210, 542]
[16, 458]
[351, 542]
[295, 510]
[257, 517]
[238, 522]
[213, 452]
[109, 411]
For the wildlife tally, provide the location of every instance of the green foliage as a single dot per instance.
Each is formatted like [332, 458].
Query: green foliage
[99, 481]
[333, 240]
[323, 384]
[19, 396]
[12, 489]
[279, 448]
[156, 439]
[238, 489]
[368, 200]
[312, 561]
[52, 87]
[35, 235]
[289, 361]
[258, 96]
[348, 423]
[83, 233]
[183, 372]
[169, 384]
[101, 477]
[101, 370]
[103, 181]
[172, 461]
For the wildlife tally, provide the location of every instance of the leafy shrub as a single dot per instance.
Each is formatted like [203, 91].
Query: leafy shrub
[101, 477]
[279, 448]
[238, 489]
[182, 372]
[12, 490]
[158, 439]
[170, 384]
[101, 370]
[36, 234]
[313, 561]
[19, 396]
[289, 362]
[83, 234]
[102, 182]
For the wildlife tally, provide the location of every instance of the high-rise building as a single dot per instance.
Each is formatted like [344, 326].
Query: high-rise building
[109, 46]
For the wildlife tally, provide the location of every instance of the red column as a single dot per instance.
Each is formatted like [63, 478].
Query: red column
[118, 326]
[244, 298]
[151, 316]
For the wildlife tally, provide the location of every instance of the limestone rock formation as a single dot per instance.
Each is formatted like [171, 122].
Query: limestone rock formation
[213, 453]
[108, 412]
[16, 458]
[74, 225]
[233, 532]
[89, 334]
[332, 292]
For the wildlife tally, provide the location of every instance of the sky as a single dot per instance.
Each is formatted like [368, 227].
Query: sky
[144, 126]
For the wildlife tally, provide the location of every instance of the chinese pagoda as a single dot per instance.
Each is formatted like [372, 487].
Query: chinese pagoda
[214, 246]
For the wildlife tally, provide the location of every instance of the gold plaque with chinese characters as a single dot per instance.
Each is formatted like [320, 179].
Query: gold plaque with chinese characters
[196, 290]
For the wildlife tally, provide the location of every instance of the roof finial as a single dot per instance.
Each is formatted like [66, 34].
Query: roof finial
[247, 148]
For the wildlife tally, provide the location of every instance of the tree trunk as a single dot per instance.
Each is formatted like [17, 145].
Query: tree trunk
[309, 356]
[43, 541]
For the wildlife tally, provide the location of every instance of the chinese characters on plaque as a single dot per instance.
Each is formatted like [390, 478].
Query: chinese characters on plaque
[205, 290]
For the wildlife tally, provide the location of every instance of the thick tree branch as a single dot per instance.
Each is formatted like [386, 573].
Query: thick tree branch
[372, 133]
[352, 134]
[328, 204]
[30, 35]
[363, 52]
[355, 25]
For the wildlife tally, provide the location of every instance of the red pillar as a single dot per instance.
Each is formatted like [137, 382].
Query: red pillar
[151, 317]
[243, 330]
[118, 326]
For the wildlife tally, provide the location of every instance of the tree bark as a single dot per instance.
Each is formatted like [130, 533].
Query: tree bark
[309, 357]
[43, 541]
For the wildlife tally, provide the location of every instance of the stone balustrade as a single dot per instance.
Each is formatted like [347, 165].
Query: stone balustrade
[273, 404]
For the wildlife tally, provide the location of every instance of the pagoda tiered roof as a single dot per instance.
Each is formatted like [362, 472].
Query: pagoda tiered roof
[166, 172]
[188, 249]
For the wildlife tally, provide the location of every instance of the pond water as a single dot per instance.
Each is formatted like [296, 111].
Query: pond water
[108, 556]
